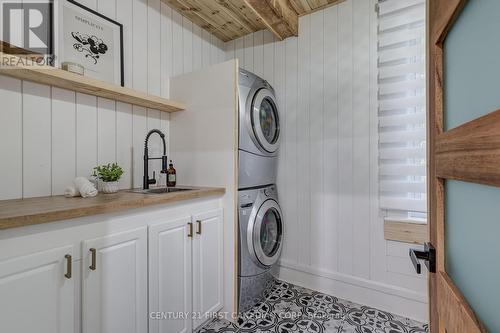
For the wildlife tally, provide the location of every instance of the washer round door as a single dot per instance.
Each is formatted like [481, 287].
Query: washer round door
[265, 233]
[264, 121]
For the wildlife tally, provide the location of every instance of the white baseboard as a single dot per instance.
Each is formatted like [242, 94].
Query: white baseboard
[400, 301]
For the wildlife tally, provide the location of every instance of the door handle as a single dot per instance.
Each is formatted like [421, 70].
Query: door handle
[199, 227]
[93, 259]
[428, 255]
[69, 268]
[190, 229]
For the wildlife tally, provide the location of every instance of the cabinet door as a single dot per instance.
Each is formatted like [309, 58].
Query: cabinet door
[115, 283]
[170, 282]
[207, 265]
[35, 294]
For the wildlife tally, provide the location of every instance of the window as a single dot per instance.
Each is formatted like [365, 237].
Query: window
[402, 107]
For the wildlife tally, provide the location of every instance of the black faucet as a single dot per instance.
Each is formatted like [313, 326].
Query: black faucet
[164, 160]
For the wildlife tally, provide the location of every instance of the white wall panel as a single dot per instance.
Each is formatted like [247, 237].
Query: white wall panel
[229, 50]
[316, 139]
[196, 47]
[345, 94]
[326, 86]
[239, 48]
[166, 48]
[177, 44]
[258, 42]
[11, 142]
[59, 134]
[303, 179]
[37, 150]
[290, 202]
[154, 47]
[63, 139]
[248, 52]
[268, 54]
[139, 129]
[124, 13]
[124, 146]
[361, 138]
[205, 48]
[187, 37]
[140, 44]
[86, 134]
[330, 140]
[106, 131]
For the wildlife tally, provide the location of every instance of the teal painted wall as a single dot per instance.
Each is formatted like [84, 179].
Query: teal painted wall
[472, 89]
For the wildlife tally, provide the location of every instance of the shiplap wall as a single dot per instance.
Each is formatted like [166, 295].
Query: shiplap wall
[326, 84]
[50, 135]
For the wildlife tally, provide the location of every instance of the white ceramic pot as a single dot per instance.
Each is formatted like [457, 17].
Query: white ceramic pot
[109, 187]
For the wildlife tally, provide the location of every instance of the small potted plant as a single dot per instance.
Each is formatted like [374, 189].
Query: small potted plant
[108, 174]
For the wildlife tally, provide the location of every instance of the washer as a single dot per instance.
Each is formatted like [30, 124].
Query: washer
[259, 131]
[260, 243]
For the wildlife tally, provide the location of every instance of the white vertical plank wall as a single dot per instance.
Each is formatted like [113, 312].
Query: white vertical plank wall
[50, 135]
[326, 85]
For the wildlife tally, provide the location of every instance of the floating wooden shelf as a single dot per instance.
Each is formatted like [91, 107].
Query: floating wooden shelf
[26, 69]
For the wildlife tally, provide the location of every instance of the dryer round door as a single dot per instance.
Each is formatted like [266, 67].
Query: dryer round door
[264, 120]
[265, 233]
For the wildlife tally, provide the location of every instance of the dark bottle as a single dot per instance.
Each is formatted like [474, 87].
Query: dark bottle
[171, 175]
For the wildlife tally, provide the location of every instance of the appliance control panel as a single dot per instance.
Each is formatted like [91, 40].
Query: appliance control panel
[246, 200]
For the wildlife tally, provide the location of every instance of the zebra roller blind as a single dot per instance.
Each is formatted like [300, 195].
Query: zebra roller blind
[402, 105]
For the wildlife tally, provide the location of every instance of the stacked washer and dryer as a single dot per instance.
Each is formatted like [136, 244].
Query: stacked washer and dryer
[260, 218]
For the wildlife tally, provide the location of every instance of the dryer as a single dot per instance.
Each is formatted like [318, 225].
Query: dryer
[259, 131]
[260, 242]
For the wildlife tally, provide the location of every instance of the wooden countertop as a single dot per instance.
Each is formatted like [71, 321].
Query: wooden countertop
[23, 212]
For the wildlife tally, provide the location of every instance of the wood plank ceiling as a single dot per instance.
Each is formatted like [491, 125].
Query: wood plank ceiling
[231, 19]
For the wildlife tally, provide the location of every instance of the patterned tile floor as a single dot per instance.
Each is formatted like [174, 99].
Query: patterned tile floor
[288, 308]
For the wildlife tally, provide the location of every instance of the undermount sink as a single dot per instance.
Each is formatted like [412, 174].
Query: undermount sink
[162, 190]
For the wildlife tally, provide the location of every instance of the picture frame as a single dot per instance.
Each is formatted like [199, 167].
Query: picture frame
[90, 39]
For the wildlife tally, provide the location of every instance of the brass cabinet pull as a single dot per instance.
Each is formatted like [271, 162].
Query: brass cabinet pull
[69, 264]
[190, 229]
[199, 227]
[94, 259]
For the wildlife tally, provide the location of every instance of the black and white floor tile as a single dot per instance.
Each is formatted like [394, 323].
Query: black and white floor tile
[288, 308]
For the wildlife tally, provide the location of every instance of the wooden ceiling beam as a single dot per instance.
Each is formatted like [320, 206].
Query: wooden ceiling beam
[278, 16]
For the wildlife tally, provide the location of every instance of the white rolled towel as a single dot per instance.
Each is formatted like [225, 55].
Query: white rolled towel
[71, 191]
[85, 187]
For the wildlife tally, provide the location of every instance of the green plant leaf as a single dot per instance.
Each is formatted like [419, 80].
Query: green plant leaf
[108, 172]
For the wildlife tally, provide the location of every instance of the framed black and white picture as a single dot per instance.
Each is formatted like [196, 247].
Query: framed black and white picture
[89, 39]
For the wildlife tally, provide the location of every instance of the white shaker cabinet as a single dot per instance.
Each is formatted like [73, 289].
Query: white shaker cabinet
[159, 272]
[114, 283]
[207, 265]
[37, 292]
[185, 272]
[170, 288]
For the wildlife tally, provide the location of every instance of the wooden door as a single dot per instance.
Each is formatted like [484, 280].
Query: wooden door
[37, 293]
[170, 279]
[467, 154]
[207, 265]
[114, 291]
